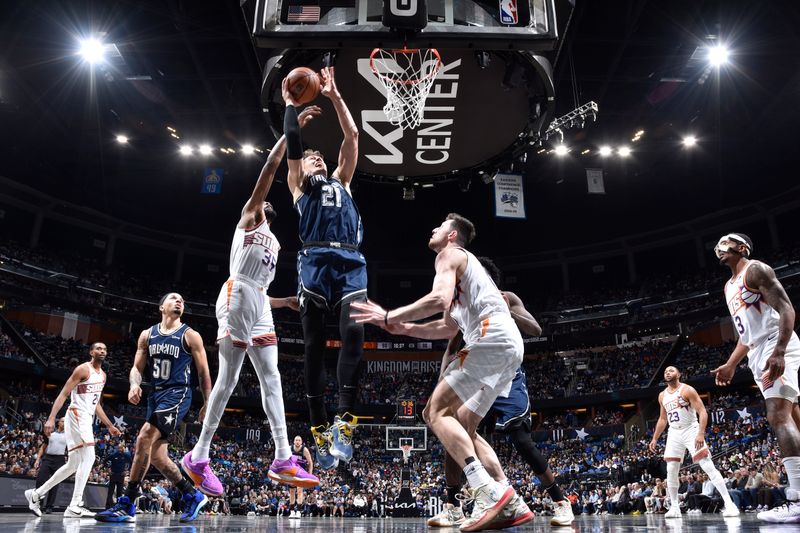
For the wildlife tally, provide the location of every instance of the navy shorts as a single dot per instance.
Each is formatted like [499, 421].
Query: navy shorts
[329, 276]
[167, 408]
[515, 410]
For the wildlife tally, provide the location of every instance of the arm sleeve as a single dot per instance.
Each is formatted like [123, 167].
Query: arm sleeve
[291, 128]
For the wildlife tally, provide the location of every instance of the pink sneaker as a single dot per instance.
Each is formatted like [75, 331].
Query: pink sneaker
[290, 472]
[204, 478]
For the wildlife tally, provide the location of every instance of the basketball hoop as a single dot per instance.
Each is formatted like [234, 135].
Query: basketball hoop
[406, 449]
[407, 74]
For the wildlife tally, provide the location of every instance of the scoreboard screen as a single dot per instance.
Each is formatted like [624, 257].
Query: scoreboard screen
[407, 408]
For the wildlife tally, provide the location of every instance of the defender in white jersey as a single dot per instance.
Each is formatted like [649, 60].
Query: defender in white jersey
[244, 317]
[763, 317]
[680, 408]
[84, 388]
[479, 373]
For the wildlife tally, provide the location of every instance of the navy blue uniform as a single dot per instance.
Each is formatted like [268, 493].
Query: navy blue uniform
[516, 409]
[330, 267]
[170, 373]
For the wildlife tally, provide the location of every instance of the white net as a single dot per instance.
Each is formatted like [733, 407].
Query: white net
[408, 75]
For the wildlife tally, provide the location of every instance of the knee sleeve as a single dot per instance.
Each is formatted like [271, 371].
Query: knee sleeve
[673, 468]
[524, 445]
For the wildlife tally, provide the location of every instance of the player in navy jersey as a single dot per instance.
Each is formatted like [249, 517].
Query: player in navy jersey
[165, 354]
[332, 271]
[296, 497]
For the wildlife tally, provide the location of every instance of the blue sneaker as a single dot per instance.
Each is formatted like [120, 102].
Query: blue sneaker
[323, 457]
[193, 503]
[342, 437]
[123, 511]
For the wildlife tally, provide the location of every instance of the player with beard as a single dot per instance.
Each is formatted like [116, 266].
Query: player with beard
[763, 318]
[681, 407]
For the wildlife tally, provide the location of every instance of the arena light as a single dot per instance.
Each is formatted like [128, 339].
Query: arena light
[186, 149]
[718, 55]
[605, 151]
[205, 149]
[624, 151]
[561, 150]
[122, 139]
[689, 141]
[248, 149]
[92, 51]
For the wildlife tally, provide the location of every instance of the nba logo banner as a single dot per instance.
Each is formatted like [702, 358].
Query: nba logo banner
[508, 12]
[212, 181]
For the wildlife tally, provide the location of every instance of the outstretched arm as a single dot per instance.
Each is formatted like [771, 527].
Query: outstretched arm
[524, 320]
[723, 374]
[80, 373]
[348, 153]
[294, 143]
[761, 278]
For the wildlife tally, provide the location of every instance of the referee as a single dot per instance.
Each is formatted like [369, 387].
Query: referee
[51, 457]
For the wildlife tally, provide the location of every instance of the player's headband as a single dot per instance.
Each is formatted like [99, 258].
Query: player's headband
[720, 248]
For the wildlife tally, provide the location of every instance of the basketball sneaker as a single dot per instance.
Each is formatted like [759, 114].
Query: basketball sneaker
[674, 512]
[323, 457]
[77, 511]
[489, 501]
[201, 474]
[515, 513]
[342, 437]
[290, 472]
[123, 511]
[562, 514]
[193, 503]
[450, 516]
[730, 510]
[788, 513]
[33, 501]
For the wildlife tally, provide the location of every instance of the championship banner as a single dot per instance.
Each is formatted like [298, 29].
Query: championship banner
[594, 181]
[509, 201]
[212, 180]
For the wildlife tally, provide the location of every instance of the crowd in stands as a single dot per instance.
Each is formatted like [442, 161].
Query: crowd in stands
[10, 350]
[620, 368]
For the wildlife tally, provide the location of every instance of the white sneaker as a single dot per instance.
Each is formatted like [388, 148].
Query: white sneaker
[788, 513]
[674, 512]
[450, 516]
[76, 511]
[730, 510]
[489, 501]
[562, 514]
[515, 513]
[33, 501]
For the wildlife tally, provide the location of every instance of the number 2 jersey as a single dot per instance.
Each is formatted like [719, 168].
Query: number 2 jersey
[84, 397]
[169, 360]
[753, 318]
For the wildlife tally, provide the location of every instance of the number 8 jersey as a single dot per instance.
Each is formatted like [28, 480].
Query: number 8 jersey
[753, 318]
[170, 363]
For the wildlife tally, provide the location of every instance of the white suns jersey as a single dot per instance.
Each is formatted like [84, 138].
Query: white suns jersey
[753, 318]
[475, 297]
[86, 394]
[254, 254]
[680, 413]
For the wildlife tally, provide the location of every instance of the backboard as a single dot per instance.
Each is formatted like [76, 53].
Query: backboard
[416, 436]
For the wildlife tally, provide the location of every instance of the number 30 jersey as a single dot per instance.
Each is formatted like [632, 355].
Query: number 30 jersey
[328, 213]
[680, 413]
[753, 318]
[170, 363]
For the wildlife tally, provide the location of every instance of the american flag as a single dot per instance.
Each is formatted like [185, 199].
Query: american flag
[303, 14]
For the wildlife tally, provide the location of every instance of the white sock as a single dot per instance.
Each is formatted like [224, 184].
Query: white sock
[792, 465]
[477, 476]
[82, 474]
[265, 362]
[61, 474]
[673, 468]
[230, 364]
[716, 479]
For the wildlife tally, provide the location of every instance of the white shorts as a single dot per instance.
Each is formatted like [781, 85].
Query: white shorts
[484, 370]
[78, 429]
[786, 385]
[681, 439]
[244, 314]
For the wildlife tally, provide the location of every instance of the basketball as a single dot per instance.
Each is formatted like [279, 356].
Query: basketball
[303, 84]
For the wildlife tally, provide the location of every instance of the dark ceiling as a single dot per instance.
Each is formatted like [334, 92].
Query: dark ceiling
[191, 66]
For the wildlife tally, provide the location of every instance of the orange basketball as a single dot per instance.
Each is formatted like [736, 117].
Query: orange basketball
[304, 84]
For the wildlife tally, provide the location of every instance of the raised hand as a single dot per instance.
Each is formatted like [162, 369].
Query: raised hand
[329, 89]
[308, 114]
[288, 97]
